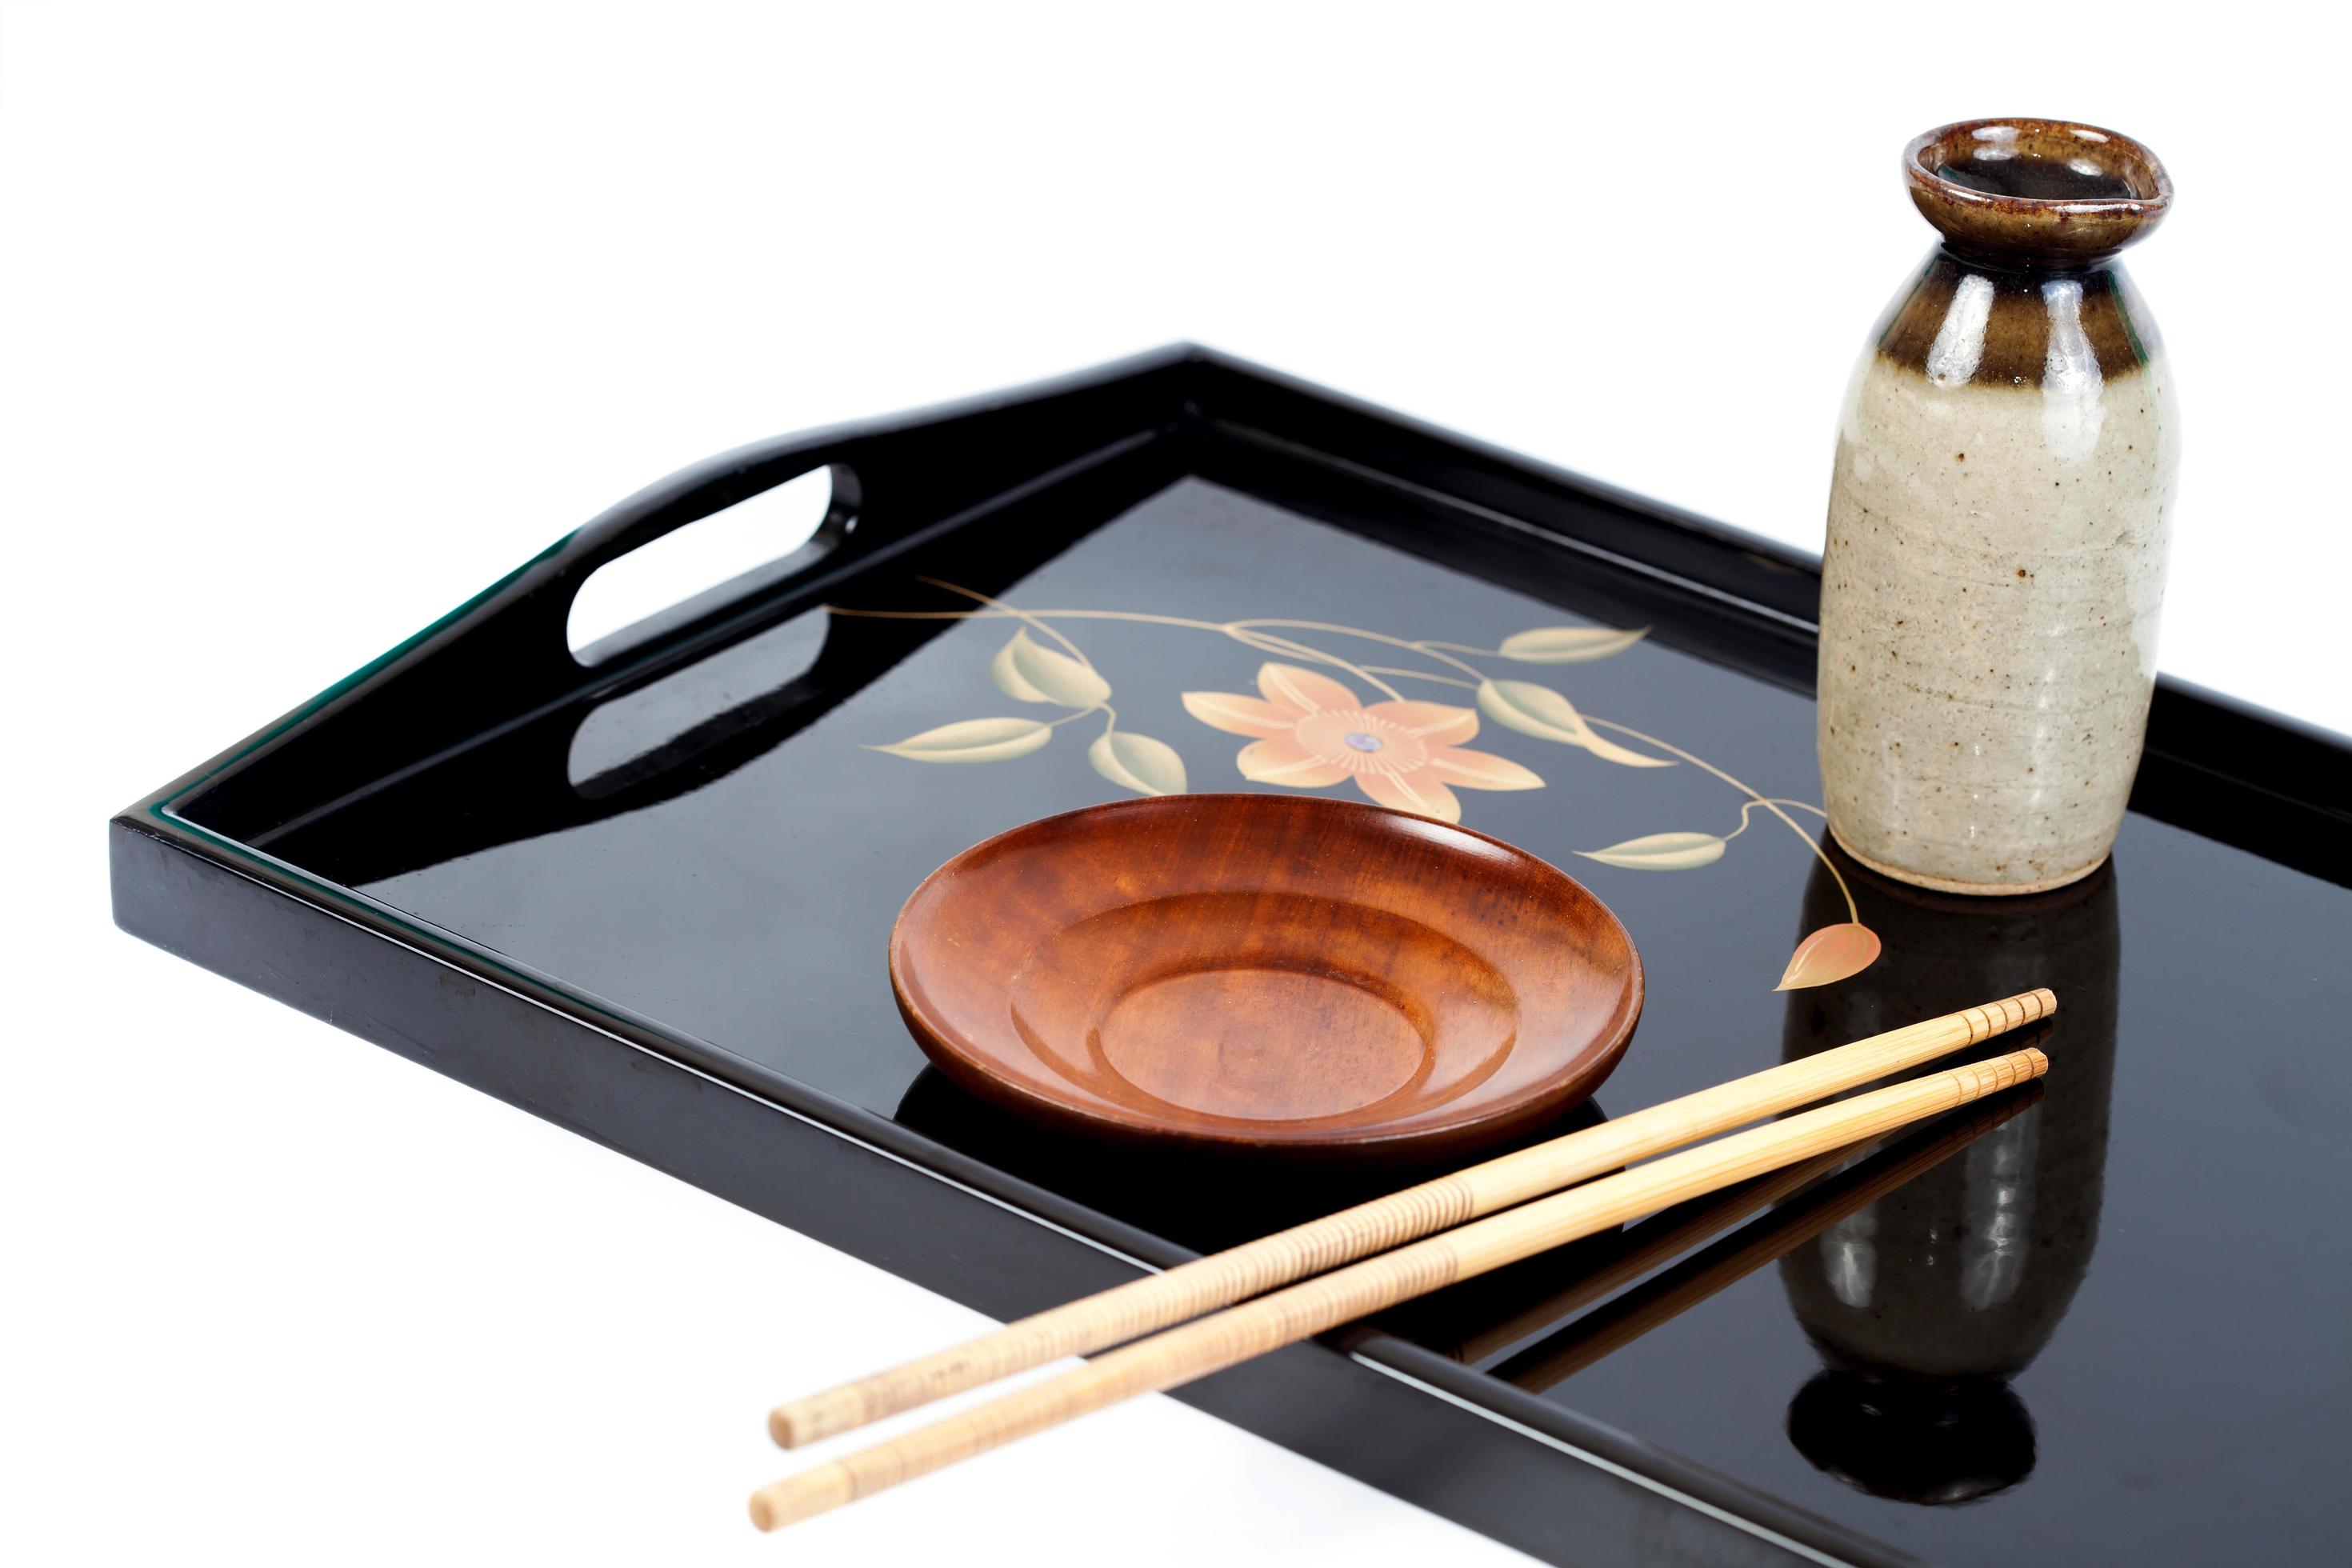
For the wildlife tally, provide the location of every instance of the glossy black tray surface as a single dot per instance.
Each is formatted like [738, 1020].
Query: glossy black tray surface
[648, 899]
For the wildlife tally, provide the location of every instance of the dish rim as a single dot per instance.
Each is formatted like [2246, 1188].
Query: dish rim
[1575, 1081]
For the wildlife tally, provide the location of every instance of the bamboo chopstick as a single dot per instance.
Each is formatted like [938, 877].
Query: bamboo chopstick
[1238, 1333]
[1664, 1238]
[1561, 1355]
[1654, 1243]
[1130, 1311]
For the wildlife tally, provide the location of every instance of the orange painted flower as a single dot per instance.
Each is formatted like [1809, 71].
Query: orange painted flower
[1311, 730]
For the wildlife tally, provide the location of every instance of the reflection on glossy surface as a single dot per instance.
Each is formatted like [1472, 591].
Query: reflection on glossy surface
[1203, 1201]
[1278, 975]
[726, 859]
[1644, 1248]
[1914, 1442]
[1825, 1196]
[1927, 1304]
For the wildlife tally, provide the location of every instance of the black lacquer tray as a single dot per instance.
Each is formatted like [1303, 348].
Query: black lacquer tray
[647, 898]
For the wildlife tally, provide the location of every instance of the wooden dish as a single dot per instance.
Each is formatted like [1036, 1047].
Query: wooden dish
[1265, 973]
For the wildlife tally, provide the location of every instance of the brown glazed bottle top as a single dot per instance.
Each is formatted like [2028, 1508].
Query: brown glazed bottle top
[2047, 191]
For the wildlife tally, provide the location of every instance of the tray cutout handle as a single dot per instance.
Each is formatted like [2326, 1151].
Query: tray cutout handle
[698, 567]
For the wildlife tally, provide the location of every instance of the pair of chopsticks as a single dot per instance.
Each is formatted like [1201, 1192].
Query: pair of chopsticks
[1440, 1232]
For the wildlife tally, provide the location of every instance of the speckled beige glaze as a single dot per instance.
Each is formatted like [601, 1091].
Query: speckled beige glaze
[2000, 517]
[1990, 590]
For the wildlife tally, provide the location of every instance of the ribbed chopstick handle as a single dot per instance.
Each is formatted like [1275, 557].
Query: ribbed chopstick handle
[1287, 1316]
[1130, 1311]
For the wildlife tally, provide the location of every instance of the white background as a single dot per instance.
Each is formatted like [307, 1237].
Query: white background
[317, 318]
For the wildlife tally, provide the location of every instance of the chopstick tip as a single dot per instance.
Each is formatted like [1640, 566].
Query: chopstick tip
[799, 1497]
[797, 1423]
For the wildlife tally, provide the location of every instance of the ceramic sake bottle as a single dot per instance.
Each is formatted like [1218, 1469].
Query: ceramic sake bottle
[1999, 521]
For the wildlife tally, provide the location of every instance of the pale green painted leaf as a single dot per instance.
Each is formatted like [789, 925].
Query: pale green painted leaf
[1661, 852]
[1008, 676]
[1054, 675]
[973, 741]
[1609, 750]
[1138, 763]
[1569, 644]
[1533, 709]
[1540, 711]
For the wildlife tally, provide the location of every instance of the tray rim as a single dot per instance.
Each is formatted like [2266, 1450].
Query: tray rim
[1763, 1519]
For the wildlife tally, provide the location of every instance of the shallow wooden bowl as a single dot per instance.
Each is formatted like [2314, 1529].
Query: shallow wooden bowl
[1269, 974]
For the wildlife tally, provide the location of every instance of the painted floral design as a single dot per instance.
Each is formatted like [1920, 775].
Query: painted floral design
[1308, 730]
[1311, 730]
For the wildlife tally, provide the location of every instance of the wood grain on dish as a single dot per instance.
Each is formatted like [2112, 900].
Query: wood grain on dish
[1267, 973]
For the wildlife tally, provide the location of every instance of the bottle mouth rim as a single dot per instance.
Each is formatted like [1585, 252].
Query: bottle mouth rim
[2036, 188]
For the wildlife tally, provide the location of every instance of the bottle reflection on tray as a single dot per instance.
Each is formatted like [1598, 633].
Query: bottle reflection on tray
[1927, 1305]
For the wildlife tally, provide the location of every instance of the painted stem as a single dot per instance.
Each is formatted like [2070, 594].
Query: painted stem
[1770, 804]
[1431, 649]
[1266, 642]
[1853, 913]
[974, 594]
[1247, 633]
[1747, 806]
[1242, 632]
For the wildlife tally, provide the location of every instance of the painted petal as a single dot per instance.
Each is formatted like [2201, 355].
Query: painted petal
[1238, 715]
[1439, 724]
[1831, 953]
[1481, 770]
[1280, 760]
[1418, 790]
[1304, 691]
